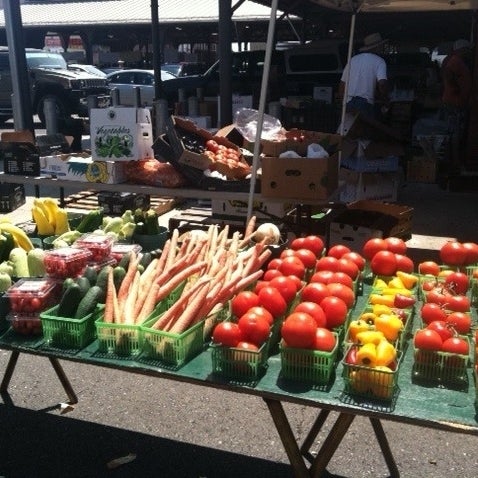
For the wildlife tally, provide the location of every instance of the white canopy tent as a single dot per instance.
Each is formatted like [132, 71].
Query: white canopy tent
[353, 7]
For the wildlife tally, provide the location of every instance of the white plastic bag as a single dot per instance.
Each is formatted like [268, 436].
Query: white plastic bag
[246, 122]
[315, 150]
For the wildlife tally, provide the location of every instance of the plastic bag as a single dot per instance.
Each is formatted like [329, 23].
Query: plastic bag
[315, 150]
[246, 122]
[152, 172]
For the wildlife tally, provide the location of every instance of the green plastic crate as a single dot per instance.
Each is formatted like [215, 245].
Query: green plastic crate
[117, 339]
[173, 349]
[305, 365]
[66, 333]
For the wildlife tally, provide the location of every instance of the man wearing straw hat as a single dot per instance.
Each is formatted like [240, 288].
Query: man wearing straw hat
[366, 79]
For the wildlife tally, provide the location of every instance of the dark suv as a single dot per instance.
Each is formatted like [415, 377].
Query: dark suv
[50, 78]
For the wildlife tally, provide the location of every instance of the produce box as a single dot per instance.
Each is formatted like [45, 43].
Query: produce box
[20, 158]
[67, 333]
[83, 169]
[116, 203]
[370, 165]
[12, 196]
[121, 134]
[300, 178]
[118, 339]
[305, 365]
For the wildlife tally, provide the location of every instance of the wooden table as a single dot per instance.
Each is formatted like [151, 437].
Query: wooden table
[411, 405]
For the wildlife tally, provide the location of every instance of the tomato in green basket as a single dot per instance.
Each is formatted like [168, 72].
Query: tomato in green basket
[243, 301]
[427, 339]
[313, 309]
[286, 286]
[272, 300]
[255, 329]
[460, 321]
[227, 334]
[453, 253]
[338, 250]
[455, 345]
[324, 340]
[335, 310]
[299, 330]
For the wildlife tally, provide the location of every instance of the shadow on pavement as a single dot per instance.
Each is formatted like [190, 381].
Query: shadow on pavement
[39, 444]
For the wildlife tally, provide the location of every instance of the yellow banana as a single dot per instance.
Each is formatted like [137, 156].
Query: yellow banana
[41, 205]
[61, 222]
[52, 207]
[5, 219]
[44, 227]
[19, 235]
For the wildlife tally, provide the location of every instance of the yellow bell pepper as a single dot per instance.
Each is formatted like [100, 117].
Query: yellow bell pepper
[379, 284]
[379, 309]
[381, 382]
[386, 299]
[396, 283]
[367, 355]
[357, 326]
[408, 280]
[390, 325]
[370, 337]
[360, 380]
[396, 290]
[385, 353]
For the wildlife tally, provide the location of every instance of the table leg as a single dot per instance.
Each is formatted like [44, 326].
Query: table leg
[287, 437]
[314, 431]
[385, 447]
[331, 444]
[12, 362]
[64, 380]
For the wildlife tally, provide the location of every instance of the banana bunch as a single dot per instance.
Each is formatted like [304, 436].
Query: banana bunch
[9, 232]
[50, 219]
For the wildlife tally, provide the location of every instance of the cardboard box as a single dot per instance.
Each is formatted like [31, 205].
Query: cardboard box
[322, 93]
[300, 178]
[378, 186]
[121, 134]
[200, 121]
[20, 158]
[422, 169]
[366, 165]
[235, 209]
[12, 196]
[115, 203]
[83, 169]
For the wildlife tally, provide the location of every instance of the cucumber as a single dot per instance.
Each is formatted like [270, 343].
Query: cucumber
[89, 302]
[70, 301]
[125, 260]
[102, 278]
[146, 258]
[118, 276]
[91, 274]
[68, 282]
[84, 284]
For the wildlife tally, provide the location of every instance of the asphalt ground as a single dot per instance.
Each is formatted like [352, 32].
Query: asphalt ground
[179, 430]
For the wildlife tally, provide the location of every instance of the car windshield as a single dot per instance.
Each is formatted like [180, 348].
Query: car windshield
[174, 68]
[45, 60]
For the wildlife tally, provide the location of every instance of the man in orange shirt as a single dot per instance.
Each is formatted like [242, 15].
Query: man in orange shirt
[457, 82]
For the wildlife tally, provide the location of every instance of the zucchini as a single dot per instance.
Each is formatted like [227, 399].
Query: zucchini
[70, 301]
[84, 284]
[89, 302]
[91, 274]
[93, 220]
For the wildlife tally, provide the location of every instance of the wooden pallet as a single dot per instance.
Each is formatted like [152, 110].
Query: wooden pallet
[88, 200]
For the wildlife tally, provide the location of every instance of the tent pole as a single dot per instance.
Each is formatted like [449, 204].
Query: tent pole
[262, 104]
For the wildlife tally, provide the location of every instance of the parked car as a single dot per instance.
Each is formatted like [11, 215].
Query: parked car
[185, 68]
[87, 69]
[125, 81]
[50, 79]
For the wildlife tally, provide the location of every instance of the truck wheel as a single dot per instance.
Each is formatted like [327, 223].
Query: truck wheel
[60, 108]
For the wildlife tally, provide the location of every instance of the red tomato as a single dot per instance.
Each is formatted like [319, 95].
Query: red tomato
[372, 246]
[274, 263]
[404, 263]
[298, 282]
[453, 253]
[314, 292]
[286, 286]
[259, 285]
[243, 301]
[307, 257]
[247, 346]
[227, 333]
[286, 253]
[323, 276]
[432, 311]
[314, 244]
[471, 253]
[343, 292]
[384, 263]
[271, 273]
[427, 339]
[255, 329]
[338, 250]
[397, 245]
[297, 243]
[441, 327]
[292, 265]
[335, 310]
[314, 310]
[342, 278]
[460, 321]
[455, 345]
[272, 300]
[325, 340]
[260, 311]
[457, 282]
[437, 296]
[327, 263]
[298, 330]
[429, 268]
[357, 258]
[458, 303]
[348, 267]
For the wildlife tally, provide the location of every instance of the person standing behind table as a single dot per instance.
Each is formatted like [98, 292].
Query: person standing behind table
[457, 83]
[367, 80]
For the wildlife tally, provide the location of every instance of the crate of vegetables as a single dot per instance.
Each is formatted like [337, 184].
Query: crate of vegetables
[68, 333]
[117, 338]
[66, 262]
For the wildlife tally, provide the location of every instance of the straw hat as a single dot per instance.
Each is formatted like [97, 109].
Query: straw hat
[372, 41]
